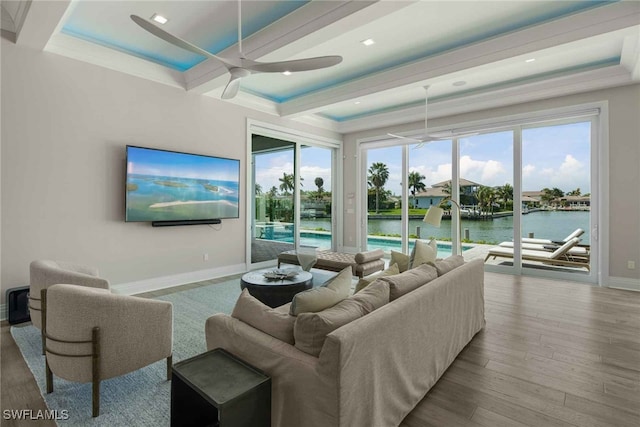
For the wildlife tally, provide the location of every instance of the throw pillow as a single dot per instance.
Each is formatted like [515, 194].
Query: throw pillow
[362, 283]
[403, 283]
[362, 257]
[311, 329]
[423, 253]
[271, 321]
[401, 259]
[325, 296]
[444, 266]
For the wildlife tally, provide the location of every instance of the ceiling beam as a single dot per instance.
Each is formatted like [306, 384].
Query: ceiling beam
[82, 50]
[40, 22]
[591, 23]
[516, 93]
[630, 56]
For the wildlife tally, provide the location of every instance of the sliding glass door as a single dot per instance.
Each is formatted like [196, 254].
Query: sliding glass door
[557, 183]
[486, 192]
[525, 194]
[273, 182]
[292, 197]
[316, 203]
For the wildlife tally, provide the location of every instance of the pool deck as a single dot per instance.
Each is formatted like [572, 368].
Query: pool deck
[265, 250]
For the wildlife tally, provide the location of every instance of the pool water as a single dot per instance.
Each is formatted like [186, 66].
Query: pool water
[322, 240]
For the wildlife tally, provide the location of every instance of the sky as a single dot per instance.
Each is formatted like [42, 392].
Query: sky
[552, 156]
[314, 162]
[146, 161]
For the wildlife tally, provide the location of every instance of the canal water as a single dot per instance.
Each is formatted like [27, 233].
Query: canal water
[553, 225]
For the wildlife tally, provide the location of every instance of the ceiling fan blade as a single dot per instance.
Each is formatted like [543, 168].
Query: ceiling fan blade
[448, 134]
[422, 140]
[306, 64]
[232, 87]
[177, 41]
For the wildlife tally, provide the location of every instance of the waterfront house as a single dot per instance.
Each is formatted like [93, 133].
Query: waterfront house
[441, 190]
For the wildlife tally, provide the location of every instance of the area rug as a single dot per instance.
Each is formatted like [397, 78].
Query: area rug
[141, 398]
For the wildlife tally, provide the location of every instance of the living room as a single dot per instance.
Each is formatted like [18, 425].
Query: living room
[66, 122]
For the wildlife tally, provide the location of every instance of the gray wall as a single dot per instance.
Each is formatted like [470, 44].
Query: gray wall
[624, 166]
[65, 127]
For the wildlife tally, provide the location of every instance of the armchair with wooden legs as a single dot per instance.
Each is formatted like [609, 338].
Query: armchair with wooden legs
[45, 273]
[93, 335]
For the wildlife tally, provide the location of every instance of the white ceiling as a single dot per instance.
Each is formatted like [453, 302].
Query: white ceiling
[577, 46]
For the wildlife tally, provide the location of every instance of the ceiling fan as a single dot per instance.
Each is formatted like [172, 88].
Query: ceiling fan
[241, 66]
[431, 136]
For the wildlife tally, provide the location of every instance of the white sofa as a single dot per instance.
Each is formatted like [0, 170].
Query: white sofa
[374, 370]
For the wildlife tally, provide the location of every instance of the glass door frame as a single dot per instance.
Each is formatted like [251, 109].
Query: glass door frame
[299, 139]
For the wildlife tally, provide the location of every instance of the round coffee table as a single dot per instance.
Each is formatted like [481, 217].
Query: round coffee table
[275, 293]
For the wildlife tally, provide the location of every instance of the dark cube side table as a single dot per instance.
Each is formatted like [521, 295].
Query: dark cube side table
[218, 389]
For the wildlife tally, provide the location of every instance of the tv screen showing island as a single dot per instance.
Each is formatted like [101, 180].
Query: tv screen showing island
[168, 186]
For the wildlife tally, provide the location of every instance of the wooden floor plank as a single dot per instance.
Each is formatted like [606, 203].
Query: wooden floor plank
[553, 354]
[486, 418]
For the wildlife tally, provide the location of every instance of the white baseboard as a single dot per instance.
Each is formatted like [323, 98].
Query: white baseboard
[157, 283]
[624, 283]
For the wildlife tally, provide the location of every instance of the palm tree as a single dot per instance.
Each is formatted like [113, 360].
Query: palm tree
[286, 183]
[271, 204]
[378, 176]
[575, 192]
[415, 183]
[258, 189]
[505, 193]
[319, 183]
[549, 195]
[486, 196]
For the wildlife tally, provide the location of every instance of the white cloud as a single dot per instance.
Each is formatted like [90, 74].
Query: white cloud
[528, 170]
[310, 173]
[489, 172]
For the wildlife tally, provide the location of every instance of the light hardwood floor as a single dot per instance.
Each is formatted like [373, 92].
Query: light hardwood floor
[552, 354]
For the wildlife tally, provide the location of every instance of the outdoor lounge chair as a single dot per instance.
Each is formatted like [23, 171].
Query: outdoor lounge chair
[579, 251]
[577, 233]
[558, 257]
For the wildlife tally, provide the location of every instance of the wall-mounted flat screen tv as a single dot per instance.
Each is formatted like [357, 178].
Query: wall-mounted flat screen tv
[171, 186]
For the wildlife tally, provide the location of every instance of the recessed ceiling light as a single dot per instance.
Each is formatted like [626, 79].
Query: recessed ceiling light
[530, 60]
[159, 19]
[357, 102]
[368, 42]
[287, 73]
[459, 83]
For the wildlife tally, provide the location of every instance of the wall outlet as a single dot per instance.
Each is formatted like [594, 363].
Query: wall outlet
[205, 257]
[631, 265]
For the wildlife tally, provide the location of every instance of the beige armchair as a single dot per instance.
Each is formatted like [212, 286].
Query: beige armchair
[93, 335]
[44, 273]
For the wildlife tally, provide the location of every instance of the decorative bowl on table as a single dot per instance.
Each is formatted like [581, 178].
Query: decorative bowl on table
[280, 274]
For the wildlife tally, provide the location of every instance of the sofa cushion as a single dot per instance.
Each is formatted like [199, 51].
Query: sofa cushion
[362, 283]
[423, 253]
[311, 329]
[403, 283]
[325, 296]
[271, 321]
[401, 259]
[362, 257]
[444, 266]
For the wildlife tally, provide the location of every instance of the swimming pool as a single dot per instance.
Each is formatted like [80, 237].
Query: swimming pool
[320, 239]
